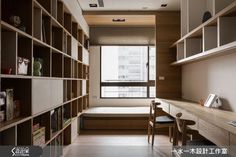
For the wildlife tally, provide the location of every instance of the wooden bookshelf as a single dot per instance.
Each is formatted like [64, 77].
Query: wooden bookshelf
[50, 93]
[215, 37]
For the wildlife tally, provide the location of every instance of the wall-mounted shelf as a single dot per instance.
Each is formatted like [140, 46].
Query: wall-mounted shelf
[213, 38]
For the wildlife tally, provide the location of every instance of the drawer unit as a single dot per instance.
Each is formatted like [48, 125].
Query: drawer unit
[232, 144]
[215, 134]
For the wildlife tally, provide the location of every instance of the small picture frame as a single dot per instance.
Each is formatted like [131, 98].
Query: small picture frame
[210, 100]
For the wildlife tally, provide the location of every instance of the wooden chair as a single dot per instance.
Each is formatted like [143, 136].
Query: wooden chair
[182, 126]
[157, 121]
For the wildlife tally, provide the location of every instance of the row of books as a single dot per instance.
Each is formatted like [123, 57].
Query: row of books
[56, 120]
[9, 108]
[38, 135]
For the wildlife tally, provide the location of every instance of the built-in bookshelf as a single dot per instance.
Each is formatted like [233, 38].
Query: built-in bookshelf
[214, 37]
[44, 61]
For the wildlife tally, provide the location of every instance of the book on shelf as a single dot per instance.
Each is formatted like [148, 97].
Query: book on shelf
[9, 104]
[44, 31]
[39, 136]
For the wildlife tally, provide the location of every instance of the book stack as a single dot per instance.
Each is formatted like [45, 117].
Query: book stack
[56, 120]
[38, 135]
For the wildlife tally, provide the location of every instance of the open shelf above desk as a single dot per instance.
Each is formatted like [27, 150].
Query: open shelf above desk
[216, 36]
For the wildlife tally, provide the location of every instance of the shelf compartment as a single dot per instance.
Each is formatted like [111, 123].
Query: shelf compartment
[80, 105]
[54, 8]
[9, 51]
[46, 4]
[38, 23]
[64, 91]
[60, 12]
[74, 89]
[81, 37]
[209, 37]
[57, 61]
[67, 67]
[22, 9]
[68, 22]
[220, 5]
[80, 53]
[56, 120]
[23, 98]
[24, 133]
[74, 108]
[24, 50]
[67, 136]
[46, 29]
[227, 32]
[75, 69]
[75, 30]
[66, 112]
[8, 137]
[74, 48]
[43, 55]
[84, 102]
[43, 120]
[69, 90]
[68, 45]
[193, 46]
[80, 70]
[57, 38]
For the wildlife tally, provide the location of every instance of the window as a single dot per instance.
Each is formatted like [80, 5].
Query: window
[128, 71]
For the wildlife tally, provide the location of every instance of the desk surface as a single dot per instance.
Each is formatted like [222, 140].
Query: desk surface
[215, 116]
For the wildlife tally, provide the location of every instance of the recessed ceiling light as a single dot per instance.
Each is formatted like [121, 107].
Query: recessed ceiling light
[163, 5]
[144, 8]
[118, 20]
[93, 5]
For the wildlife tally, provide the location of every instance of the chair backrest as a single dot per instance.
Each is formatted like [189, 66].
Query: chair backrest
[180, 123]
[154, 110]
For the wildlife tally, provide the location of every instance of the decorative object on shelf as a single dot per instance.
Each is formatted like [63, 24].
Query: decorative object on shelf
[38, 64]
[2, 98]
[201, 102]
[9, 104]
[2, 116]
[22, 66]
[7, 71]
[16, 109]
[206, 16]
[15, 20]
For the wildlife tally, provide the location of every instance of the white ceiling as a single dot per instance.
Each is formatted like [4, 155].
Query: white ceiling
[131, 5]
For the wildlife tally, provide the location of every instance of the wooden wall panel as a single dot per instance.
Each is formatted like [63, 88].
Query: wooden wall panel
[167, 32]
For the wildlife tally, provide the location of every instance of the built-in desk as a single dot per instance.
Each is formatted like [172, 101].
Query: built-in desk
[211, 123]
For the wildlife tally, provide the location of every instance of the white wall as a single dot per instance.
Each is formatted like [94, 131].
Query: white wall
[216, 75]
[94, 80]
[76, 11]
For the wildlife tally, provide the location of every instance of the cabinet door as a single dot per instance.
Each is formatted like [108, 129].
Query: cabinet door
[41, 95]
[232, 144]
[57, 92]
[215, 134]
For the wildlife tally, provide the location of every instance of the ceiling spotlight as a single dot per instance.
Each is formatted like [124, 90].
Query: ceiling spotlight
[144, 8]
[118, 20]
[93, 5]
[163, 5]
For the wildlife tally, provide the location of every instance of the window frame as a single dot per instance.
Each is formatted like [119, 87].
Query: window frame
[148, 84]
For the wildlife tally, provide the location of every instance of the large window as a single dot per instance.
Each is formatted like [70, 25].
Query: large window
[128, 71]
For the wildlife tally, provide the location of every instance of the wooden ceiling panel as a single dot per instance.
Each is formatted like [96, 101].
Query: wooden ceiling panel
[130, 20]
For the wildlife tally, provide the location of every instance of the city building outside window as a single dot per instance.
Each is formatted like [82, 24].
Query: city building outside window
[128, 71]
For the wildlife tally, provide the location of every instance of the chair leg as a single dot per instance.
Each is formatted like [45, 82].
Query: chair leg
[153, 135]
[170, 133]
[149, 132]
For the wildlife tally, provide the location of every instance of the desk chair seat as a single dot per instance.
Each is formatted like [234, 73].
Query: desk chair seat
[164, 119]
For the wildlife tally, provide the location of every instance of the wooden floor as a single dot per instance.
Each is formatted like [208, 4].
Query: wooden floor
[118, 144]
